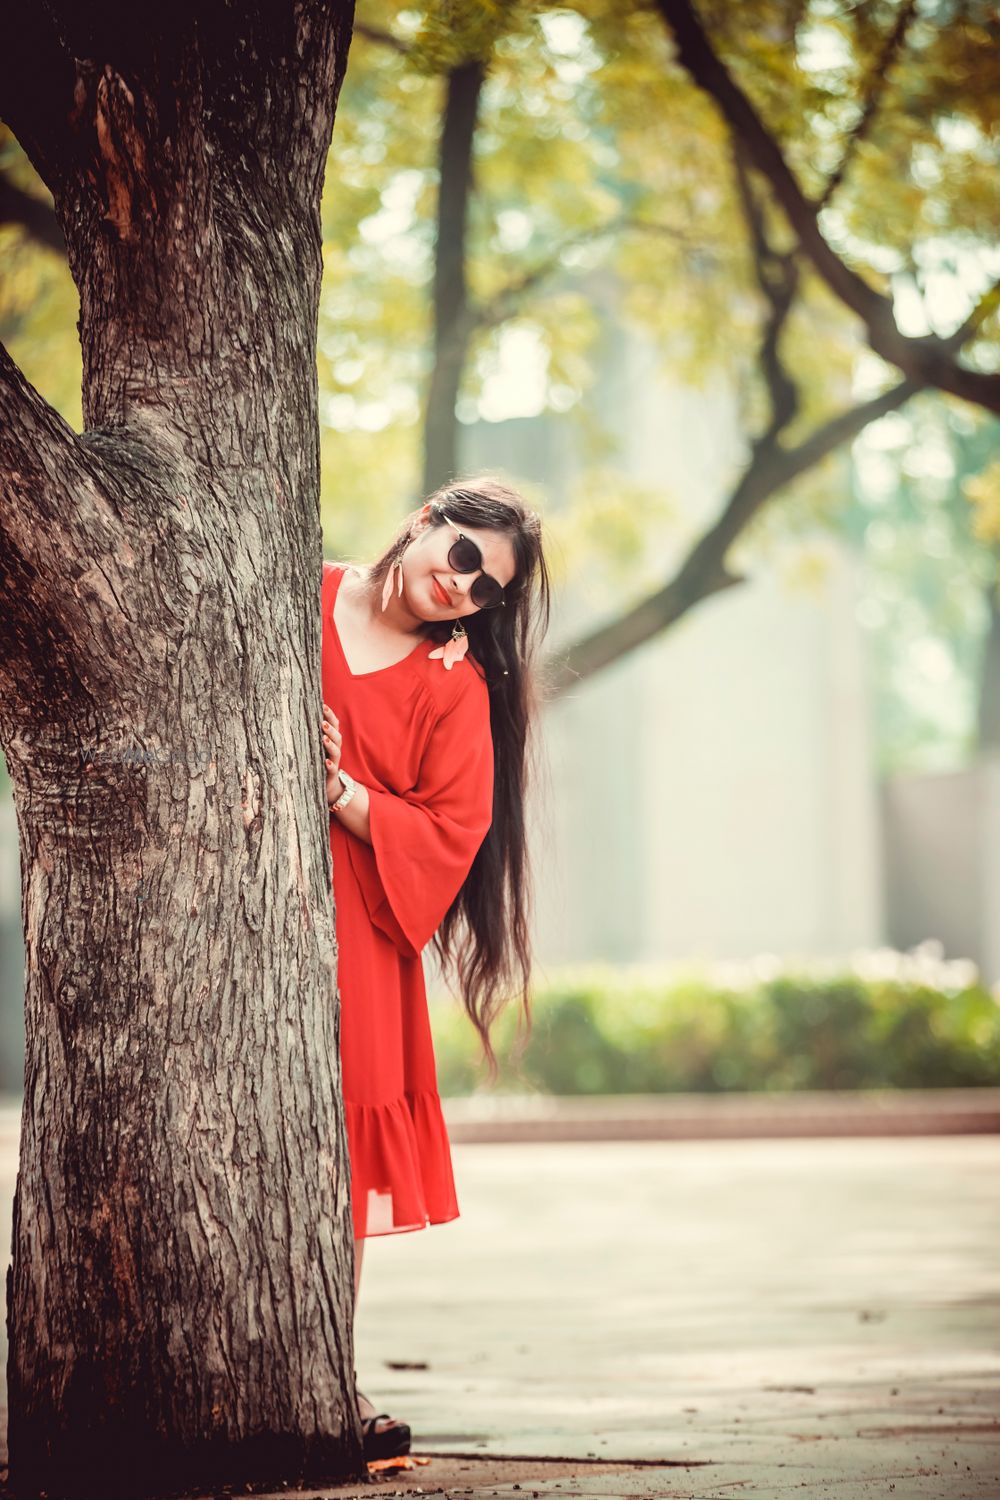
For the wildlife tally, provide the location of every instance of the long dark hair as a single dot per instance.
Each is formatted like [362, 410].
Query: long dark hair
[484, 941]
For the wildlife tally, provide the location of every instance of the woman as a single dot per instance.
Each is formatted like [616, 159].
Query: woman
[429, 700]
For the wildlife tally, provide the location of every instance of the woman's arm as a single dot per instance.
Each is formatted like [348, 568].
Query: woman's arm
[354, 817]
[421, 844]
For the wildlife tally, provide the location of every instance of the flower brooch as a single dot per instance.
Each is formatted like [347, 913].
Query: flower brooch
[454, 648]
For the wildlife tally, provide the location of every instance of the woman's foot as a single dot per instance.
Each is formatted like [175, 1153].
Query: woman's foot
[384, 1436]
[366, 1410]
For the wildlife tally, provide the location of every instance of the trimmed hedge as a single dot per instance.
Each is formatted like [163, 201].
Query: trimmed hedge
[885, 1020]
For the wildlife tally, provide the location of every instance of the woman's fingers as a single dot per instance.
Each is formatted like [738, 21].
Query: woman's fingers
[332, 739]
[331, 742]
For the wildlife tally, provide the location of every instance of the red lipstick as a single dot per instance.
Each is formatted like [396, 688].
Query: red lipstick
[440, 591]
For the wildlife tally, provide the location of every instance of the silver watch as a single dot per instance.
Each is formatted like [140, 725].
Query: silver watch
[350, 787]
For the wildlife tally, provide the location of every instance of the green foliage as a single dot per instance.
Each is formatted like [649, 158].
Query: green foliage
[605, 195]
[891, 1021]
[982, 490]
[38, 301]
[595, 154]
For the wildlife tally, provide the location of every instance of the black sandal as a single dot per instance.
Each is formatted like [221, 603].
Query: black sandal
[389, 1442]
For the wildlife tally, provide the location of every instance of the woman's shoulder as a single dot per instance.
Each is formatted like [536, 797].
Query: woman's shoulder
[464, 683]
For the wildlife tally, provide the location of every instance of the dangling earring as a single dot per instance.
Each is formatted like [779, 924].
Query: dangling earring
[389, 579]
[454, 648]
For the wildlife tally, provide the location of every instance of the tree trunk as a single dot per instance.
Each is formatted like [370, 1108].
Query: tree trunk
[180, 1299]
[452, 322]
[988, 714]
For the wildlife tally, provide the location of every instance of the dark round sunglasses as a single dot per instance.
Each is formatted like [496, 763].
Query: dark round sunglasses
[465, 557]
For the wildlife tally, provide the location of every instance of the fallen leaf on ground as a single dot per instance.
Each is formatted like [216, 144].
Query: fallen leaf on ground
[401, 1461]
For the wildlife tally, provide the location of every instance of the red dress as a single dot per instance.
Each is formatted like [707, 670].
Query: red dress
[418, 737]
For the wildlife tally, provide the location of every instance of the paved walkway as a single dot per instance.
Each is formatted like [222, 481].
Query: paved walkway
[761, 1317]
[818, 1314]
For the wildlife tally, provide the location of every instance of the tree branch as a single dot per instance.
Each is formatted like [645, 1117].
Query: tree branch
[496, 309]
[926, 360]
[452, 327]
[63, 550]
[28, 425]
[874, 90]
[778, 279]
[382, 38]
[703, 572]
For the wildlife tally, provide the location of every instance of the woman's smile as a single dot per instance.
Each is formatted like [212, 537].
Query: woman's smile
[440, 592]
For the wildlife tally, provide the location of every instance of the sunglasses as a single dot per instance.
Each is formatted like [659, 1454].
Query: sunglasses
[465, 557]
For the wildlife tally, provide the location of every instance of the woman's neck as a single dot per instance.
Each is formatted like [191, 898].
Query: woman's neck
[395, 617]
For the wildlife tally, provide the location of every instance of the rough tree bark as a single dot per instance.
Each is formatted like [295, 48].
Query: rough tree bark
[180, 1298]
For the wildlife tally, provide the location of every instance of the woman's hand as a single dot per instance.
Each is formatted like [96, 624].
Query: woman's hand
[355, 817]
[331, 746]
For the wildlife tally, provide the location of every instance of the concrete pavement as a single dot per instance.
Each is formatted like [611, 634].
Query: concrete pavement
[693, 1318]
[818, 1315]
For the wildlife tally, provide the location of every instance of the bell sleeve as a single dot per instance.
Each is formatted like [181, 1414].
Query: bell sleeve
[425, 840]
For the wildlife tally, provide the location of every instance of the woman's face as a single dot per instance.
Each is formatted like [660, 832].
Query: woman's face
[433, 586]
